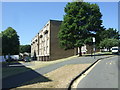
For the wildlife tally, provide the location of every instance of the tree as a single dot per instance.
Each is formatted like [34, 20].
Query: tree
[10, 42]
[25, 48]
[89, 41]
[109, 33]
[109, 43]
[109, 38]
[81, 21]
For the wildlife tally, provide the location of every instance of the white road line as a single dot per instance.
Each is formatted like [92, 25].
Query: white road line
[75, 84]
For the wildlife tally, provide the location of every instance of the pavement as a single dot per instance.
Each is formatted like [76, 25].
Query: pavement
[18, 80]
[103, 75]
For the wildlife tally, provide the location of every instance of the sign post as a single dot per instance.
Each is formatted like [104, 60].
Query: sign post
[94, 46]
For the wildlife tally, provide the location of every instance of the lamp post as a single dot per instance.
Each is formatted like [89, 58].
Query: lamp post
[94, 46]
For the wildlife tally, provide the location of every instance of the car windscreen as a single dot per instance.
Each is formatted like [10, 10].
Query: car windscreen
[114, 48]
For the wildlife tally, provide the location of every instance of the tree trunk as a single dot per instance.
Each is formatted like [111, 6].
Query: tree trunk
[109, 49]
[80, 53]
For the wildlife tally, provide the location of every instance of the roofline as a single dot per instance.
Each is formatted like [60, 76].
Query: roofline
[44, 26]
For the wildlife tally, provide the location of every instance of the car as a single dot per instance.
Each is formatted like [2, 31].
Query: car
[115, 50]
[27, 59]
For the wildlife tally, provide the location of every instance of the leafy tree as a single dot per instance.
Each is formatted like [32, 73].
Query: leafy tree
[81, 22]
[109, 33]
[89, 41]
[109, 37]
[25, 48]
[109, 43]
[10, 42]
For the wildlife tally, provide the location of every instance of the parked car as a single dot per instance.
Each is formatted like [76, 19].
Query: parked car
[115, 50]
[27, 59]
[10, 59]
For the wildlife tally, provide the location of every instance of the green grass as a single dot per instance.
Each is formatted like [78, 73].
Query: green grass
[99, 53]
[104, 53]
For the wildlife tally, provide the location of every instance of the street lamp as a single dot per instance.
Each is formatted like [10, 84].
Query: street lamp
[94, 46]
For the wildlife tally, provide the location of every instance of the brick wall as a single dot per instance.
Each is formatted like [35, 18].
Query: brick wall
[56, 52]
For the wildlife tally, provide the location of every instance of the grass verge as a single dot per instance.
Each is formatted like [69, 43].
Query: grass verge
[9, 71]
[60, 77]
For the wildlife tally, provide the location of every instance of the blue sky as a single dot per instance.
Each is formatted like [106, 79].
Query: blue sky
[27, 18]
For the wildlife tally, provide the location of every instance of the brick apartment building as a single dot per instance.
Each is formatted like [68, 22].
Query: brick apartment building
[45, 44]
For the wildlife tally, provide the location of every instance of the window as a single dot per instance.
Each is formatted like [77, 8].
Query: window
[46, 32]
[41, 36]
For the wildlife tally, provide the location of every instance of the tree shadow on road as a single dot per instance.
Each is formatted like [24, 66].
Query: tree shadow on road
[20, 79]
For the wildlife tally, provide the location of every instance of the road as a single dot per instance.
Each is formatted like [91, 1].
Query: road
[18, 80]
[103, 75]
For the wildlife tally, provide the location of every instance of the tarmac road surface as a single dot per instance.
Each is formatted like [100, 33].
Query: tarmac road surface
[103, 75]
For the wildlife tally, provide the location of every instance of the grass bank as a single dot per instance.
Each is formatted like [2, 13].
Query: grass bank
[60, 78]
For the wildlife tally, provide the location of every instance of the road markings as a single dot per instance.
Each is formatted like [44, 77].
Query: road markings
[76, 82]
[110, 63]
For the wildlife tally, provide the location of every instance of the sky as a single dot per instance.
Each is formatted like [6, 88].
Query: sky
[28, 18]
